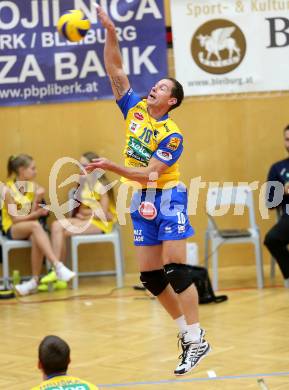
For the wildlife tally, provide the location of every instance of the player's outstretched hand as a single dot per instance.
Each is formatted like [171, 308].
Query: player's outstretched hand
[98, 163]
[104, 18]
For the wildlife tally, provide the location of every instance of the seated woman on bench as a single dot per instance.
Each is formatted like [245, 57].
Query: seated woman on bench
[20, 220]
[96, 213]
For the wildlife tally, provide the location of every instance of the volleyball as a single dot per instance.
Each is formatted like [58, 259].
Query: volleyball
[73, 25]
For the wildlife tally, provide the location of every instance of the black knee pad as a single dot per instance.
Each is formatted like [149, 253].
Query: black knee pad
[154, 281]
[180, 276]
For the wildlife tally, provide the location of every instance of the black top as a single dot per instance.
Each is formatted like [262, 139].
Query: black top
[278, 176]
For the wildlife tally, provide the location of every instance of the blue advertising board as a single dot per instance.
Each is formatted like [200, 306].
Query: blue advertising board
[37, 65]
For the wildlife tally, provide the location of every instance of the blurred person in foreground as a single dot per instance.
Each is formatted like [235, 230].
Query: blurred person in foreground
[53, 361]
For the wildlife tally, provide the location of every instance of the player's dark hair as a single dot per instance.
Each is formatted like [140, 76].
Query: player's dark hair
[90, 156]
[177, 92]
[16, 162]
[54, 355]
[286, 128]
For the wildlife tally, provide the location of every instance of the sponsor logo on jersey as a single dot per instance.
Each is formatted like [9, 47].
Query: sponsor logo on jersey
[134, 126]
[133, 163]
[141, 108]
[166, 127]
[138, 235]
[67, 384]
[139, 160]
[139, 116]
[139, 149]
[168, 229]
[163, 155]
[181, 229]
[147, 210]
[173, 143]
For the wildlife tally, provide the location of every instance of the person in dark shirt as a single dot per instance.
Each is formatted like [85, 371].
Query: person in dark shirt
[277, 239]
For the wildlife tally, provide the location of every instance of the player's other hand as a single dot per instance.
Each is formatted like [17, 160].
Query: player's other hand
[104, 18]
[98, 163]
[41, 211]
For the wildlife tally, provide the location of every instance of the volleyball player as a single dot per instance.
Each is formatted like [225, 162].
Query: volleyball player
[154, 144]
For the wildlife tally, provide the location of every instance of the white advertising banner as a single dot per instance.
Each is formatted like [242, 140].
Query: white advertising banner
[231, 46]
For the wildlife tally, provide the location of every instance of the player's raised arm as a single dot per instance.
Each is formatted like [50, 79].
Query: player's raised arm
[112, 57]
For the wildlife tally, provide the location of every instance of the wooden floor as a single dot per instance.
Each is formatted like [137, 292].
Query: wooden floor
[125, 339]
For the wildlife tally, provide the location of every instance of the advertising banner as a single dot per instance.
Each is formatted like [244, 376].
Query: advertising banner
[231, 46]
[39, 66]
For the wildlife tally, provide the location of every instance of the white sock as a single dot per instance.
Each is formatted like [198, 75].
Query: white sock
[34, 282]
[286, 283]
[57, 264]
[193, 333]
[181, 323]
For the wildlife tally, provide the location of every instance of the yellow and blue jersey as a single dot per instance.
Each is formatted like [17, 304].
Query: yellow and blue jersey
[90, 197]
[65, 382]
[23, 202]
[147, 137]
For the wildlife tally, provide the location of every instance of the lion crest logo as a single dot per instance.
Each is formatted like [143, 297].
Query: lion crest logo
[218, 46]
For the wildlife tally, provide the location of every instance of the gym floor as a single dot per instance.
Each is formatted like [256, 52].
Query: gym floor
[123, 339]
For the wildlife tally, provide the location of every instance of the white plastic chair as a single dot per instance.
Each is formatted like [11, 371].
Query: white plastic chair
[238, 196]
[7, 245]
[115, 239]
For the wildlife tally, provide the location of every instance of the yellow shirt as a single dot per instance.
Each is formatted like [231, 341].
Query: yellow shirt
[147, 137]
[65, 382]
[23, 202]
[91, 198]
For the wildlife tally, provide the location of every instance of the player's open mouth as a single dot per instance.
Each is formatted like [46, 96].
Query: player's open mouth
[151, 96]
